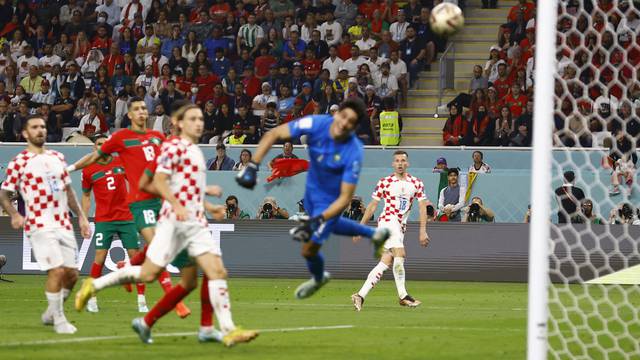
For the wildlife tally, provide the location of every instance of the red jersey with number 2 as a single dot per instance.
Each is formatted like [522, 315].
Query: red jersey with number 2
[109, 185]
[136, 150]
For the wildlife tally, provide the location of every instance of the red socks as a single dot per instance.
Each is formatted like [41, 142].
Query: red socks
[165, 281]
[138, 258]
[206, 314]
[166, 304]
[141, 287]
[96, 270]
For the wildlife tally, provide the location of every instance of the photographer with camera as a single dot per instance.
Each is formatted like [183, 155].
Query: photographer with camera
[477, 212]
[269, 210]
[587, 215]
[233, 211]
[623, 214]
[356, 209]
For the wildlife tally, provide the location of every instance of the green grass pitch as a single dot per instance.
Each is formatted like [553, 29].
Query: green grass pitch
[457, 320]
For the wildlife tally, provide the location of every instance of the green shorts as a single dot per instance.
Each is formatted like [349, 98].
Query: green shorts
[183, 260]
[145, 212]
[126, 231]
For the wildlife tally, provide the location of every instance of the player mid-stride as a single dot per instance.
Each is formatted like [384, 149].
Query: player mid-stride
[41, 178]
[180, 179]
[398, 192]
[137, 146]
[335, 154]
[106, 179]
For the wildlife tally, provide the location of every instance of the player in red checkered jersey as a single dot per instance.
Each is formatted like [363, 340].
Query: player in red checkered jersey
[181, 180]
[41, 178]
[137, 146]
[106, 179]
[398, 192]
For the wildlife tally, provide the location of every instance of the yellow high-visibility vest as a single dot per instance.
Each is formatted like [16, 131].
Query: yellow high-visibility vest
[236, 141]
[389, 128]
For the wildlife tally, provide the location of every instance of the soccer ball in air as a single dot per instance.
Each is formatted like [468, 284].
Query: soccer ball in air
[446, 19]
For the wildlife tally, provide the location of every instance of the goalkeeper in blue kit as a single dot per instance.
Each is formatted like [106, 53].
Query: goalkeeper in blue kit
[335, 155]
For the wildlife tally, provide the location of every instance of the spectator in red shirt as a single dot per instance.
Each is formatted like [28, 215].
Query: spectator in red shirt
[102, 41]
[251, 82]
[502, 83]
[344, 49]
[263, 63]
[525, 7]
[516, 101]
[205, 83]
[480, 125]
[455, 128]
[367, 8]
[389, 10]
[114, 58]
[311, 65]
[219, 10]
[219, 96]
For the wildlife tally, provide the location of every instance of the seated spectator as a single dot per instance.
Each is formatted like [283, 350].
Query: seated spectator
[237, 137]
[311, 65]
[478, 212]
[353, 63]
[516, 101]
[503, 83]
[522, 132]
[32, 82]
[159, 121]
[221, 162]
[330, 30]
[269, 210]
[455, 128]
[441, 165]
[319, 47]
[233, 211]
[287, 153]
[587, 215]
[90, 124]
[64, 107]
[293, 49]
[44, 96]
[569, 197]
[479, 166]
[250, 124]
[623, 214]
[346, 13]
[365, 42]
[245, 159]
[285, 101]
[451, 198]
[6, 122]
[481, 127]
[260, 102]
[333, 63]
[398, 29]
[321, 83]
[270, 118]
[504, 127]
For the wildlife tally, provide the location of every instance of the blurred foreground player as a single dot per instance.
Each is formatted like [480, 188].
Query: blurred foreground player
[335, 154]
[180, 179]
[41, 178]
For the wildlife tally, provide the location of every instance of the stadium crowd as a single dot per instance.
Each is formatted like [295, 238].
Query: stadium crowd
[250, 65]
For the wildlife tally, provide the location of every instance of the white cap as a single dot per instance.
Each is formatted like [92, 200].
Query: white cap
[352, 80]
[494, 47]
[334, 107]
[294, 27]
[501, 62]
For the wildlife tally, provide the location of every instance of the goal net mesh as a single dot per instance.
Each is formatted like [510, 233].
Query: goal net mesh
[594, 257]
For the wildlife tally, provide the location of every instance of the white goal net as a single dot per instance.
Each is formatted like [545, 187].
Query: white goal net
[593, 297]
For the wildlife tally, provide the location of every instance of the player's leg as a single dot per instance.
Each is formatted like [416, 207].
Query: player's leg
[375, 275]
[207, 332]
[315, 262]
[128, 234]
[96, 272]
[399, 277]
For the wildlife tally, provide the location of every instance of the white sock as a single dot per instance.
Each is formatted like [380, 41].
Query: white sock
[141, 299]
[55, 307]
[374, 276]
[65, 294]
[219, 295]
[398, 275]
[125, 275]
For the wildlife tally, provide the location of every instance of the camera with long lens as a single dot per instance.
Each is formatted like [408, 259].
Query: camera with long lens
[354, 210]
[267, 210]
[231, 209]
[626, 212]
[474, 212]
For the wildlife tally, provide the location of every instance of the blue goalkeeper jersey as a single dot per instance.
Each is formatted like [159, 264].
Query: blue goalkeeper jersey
[331, 162]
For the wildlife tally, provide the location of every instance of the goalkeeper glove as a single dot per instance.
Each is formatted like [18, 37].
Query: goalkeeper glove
[248, 177]
[308, 226]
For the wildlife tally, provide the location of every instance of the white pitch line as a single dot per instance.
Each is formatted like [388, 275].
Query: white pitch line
[176, 334]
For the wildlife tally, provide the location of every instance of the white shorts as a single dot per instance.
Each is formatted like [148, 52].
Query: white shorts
[173, 237]
[396, 240]
[54, 248]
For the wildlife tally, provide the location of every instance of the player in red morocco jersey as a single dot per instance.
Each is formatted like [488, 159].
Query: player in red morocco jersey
[398, 192]
[181, 180]
[39, 175]
[137, 146]
[106, 179]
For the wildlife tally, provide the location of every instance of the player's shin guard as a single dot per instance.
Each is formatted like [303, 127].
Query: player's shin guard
[219, 295]
[349, 227]
[166, 304]
[315, 264]
[374, 277]
[398, 275]
[165, 281]
[96, 270]
[206, 313]
[126, 275]
[139, 257]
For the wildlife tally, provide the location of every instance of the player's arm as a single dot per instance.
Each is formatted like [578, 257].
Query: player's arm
[368, 212]
[17, 220]
[75, 207]
[85, 161]
[423, 237]
[337, 207]
[85, 201]
[161, 183]
[217, 211]
[146, 183]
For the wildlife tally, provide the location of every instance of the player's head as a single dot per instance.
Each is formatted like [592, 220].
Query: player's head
[452, 176]
[190, 121]
[138, 112]
[400, 162]
[350, 113]
[98, 140]
[34, 130]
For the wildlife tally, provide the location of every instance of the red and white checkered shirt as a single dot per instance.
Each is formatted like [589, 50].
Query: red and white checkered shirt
[42, 181]
[398, 196]
[184, 163]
